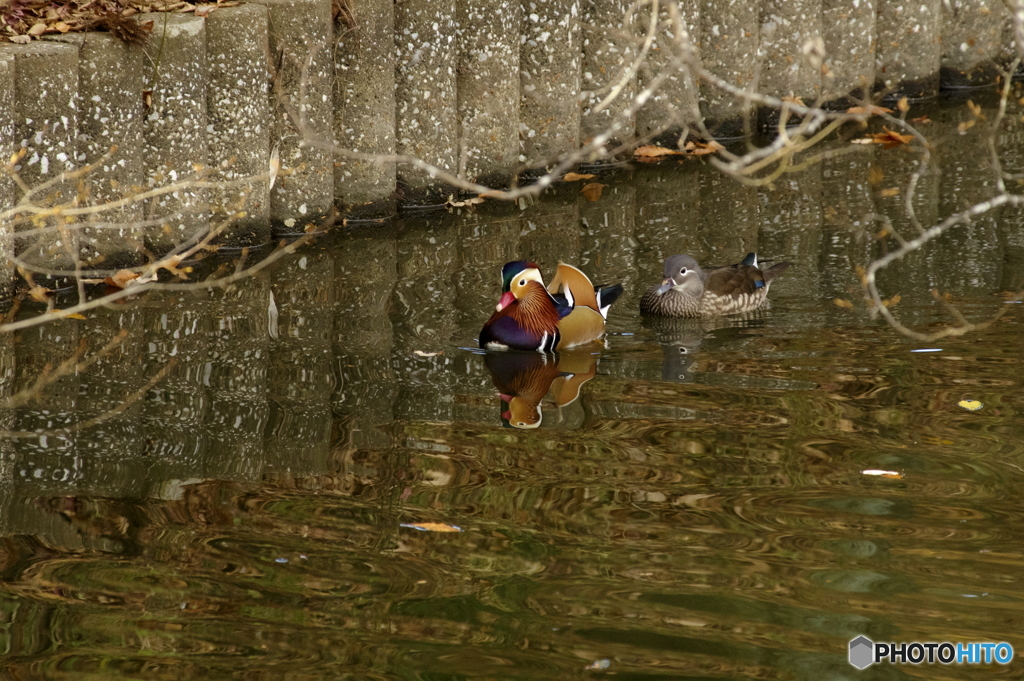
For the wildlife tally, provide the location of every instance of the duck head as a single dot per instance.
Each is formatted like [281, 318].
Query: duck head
[515, 278]
[683, 274]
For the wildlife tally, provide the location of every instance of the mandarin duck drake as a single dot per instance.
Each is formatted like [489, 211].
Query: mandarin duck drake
[569, 312]
[689, 291]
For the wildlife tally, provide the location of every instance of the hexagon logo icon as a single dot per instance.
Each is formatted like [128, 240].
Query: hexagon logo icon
[862, 652]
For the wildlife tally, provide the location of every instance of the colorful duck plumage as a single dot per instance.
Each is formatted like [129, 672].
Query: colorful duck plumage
[568, 313]
[689, 291]
[524, 379]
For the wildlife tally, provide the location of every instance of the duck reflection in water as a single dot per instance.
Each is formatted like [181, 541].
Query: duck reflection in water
[681, 339]
[524, 379]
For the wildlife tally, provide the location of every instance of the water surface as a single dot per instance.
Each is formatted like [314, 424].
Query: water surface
[248, 499]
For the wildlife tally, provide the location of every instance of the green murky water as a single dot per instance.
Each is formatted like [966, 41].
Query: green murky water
[266, 501]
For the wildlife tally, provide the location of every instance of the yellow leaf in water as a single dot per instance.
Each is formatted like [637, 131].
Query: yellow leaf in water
[975, 109]
[432, 527]
[573, 177]
[964, 126]
[592, 190]
[970, 405]
[843, 303]
[875, 175]
[891, 191]
[892, 301]
[871, 110]
[652, 151]
[903, 105]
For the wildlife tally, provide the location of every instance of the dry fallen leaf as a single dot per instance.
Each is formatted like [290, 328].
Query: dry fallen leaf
[37, 29]
[452, 203]
[871, 110]
[20, 39]
[703, 148]
[592, 190]
[888, 139]
[843, 303]
[40, 294]
[432, 527]
[121, 278]
[653, 151]
[891, 302]
[572, 177]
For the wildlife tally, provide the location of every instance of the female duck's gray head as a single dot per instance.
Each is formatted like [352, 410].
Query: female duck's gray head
[683, 274]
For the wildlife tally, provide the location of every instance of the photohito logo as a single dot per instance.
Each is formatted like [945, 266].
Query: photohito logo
[864, 652]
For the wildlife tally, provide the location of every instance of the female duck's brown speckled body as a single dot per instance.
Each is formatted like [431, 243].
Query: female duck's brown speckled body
[689, 291]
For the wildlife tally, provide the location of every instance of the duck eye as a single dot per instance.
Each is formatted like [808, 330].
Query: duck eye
[522, 282]
[682, 271]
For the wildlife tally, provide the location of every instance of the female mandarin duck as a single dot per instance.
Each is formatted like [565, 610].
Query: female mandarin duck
[689, 291]
[570, 312]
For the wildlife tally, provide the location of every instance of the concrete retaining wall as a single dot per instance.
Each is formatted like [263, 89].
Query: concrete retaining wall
[479, 88]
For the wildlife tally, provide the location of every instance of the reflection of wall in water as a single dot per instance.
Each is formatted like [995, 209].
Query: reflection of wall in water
[365, 273]
[424, 314]
[607, 242]
[177, 329]
[848, 227]
[300, 381]
[239, 354]
[668, 221]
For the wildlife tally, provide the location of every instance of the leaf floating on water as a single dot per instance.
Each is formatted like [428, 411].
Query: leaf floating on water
[121, 278]
[421, 353]
[970, 405]
[703, 148]
[573, 177]
[891, 191]
[432, 527]
[843, 303]
[452, 203]
[891, 302]
[870, 110]
[654, 151]
[883, 474]
[73, 315]
[888, 139]
[599, 664]
[592, 191]
[903, 105]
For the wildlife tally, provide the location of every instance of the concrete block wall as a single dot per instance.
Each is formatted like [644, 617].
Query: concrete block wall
[484, 89]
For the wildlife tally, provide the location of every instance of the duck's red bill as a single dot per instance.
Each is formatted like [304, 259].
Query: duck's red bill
[506, 300]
